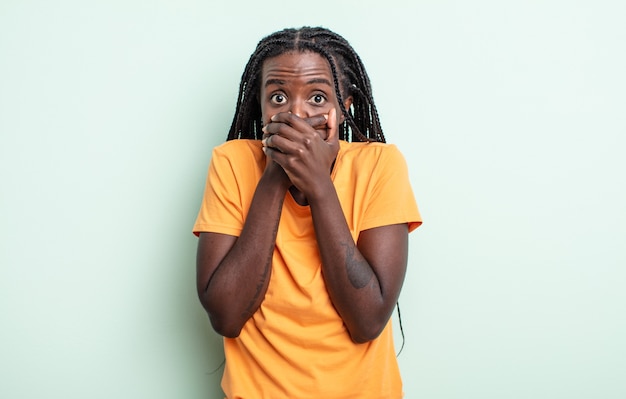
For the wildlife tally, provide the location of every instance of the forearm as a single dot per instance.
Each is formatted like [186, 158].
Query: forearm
[353, 286]
[237, 286]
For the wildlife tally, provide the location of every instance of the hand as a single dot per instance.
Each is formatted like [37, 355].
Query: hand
[316, 122]
[303, 148]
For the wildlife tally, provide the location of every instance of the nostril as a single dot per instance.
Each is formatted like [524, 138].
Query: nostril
[297, 110]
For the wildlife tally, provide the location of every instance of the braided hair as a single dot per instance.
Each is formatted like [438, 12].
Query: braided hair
[361, 121]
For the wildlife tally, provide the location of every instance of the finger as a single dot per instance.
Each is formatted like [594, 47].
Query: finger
[265, 134]
[277, 134]
[292, 128]
[333, 126]
[297, 123]
[276, 143]
[317, 121]
[276, 128]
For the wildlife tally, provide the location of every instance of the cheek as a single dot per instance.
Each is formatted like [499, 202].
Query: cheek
[268, 110]
[266, 114]
[339, 110]
[265, 109]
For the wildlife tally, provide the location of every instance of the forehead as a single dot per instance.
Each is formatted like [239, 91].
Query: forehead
[296, 64]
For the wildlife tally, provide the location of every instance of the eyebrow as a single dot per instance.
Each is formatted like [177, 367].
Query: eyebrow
[319, 81]
[274, 82]
[280, 82]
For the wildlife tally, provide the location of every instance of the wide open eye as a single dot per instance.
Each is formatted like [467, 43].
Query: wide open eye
[278, 98]
[318, 99]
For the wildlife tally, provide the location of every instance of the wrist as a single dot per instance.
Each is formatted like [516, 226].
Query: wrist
[275, 177]
[322, 191]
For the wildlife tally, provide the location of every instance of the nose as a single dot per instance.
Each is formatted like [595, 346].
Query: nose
[297, 108]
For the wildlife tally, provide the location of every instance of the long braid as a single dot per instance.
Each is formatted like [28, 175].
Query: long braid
[247, 120]
[361, 122]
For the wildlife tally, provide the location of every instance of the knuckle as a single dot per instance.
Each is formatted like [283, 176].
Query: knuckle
[289, 162]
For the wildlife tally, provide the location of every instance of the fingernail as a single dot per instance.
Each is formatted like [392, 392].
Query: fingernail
[273, 117]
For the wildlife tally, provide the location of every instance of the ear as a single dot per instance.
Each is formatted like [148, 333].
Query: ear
[347, 103]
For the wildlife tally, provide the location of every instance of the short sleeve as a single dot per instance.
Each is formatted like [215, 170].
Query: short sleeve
[391, 199]
[221, 210]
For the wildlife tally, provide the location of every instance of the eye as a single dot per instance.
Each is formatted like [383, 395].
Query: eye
[278, 98]
[318, 99]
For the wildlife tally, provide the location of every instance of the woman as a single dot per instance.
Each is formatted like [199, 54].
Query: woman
[304, 228]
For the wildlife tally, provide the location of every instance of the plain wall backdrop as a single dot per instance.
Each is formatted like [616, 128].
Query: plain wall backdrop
[512, 117]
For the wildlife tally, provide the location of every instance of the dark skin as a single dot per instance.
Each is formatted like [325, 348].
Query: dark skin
[302, 115]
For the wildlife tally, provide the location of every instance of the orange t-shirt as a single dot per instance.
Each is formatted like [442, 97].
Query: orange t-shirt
[296, 345]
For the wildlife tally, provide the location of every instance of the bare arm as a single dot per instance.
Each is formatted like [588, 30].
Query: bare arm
[233, 272]
[364, 279]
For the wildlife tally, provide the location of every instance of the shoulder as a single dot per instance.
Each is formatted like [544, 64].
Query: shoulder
[369, 152]
[238, 146]
[372, 161]
[238, 150]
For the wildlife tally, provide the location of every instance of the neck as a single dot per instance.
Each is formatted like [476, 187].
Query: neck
[298, 196]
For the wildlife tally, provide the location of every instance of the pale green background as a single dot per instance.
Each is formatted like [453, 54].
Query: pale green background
[512, 116]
